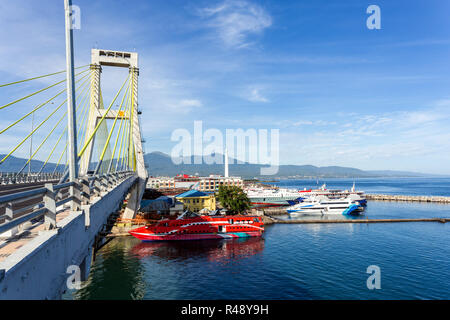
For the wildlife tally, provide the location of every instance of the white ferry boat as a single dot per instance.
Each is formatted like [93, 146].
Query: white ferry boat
[321, 205]
[335, 194]
[273, 197]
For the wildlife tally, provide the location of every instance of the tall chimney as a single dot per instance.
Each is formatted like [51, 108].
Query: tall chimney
[226, 163]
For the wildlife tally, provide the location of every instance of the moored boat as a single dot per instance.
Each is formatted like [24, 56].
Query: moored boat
[191, 226]
[321, 205]
[273, 197]
[358, 196]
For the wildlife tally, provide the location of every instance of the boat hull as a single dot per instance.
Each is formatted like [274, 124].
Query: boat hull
[151, 237]
[275, 202]
[353, 209]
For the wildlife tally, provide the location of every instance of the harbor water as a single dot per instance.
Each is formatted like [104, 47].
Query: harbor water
[399, 186]
[291, 261]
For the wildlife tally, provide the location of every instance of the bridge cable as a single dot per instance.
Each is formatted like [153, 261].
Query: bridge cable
[48, 135]
[46, 138]
[47, 75]
[125, 136]
[121, 153]
[111, 130]
[88, 141]
[131, 145]
[39, 107]
[129, 138]
[53, 150]
[60, 157]
[34, 130]
[119, 135]
[83, 132]
[36, 92]
[125, 139]
[64, 131]
[83, 115]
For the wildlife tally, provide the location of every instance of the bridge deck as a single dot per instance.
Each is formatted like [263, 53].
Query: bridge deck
[8, 245]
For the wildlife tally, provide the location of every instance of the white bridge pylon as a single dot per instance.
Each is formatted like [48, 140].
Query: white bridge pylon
[135, 156]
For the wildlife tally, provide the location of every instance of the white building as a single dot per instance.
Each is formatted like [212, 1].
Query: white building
[160, 182]
[213, 182]
[205, 184]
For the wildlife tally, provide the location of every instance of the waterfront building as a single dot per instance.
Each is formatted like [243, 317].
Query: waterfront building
[160, 182]
[206, 184]
[195, 200]
[213, 182]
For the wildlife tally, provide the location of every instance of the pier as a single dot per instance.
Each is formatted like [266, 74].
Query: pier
[393, 197]
[316, 221]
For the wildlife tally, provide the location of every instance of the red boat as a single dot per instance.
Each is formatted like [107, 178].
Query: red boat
[191, 226]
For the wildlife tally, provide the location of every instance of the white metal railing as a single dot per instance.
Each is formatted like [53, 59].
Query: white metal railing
[43, 202]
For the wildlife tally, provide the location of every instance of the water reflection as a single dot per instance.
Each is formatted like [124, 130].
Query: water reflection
[324, 217]
[115, 274]
[213, 250]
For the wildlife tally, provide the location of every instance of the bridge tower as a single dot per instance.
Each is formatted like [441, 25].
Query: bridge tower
[135, 157]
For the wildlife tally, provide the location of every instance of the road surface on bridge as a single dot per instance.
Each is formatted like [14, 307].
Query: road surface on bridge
[9, 244]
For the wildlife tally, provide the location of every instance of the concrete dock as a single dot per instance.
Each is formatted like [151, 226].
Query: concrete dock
[393, 197]
[316, 221]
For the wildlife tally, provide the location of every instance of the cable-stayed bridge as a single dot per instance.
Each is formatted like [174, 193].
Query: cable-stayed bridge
[91, 159]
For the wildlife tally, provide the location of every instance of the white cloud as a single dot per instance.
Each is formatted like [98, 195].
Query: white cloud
[303, 123]
[236, 21]
[399, 140]
[190, 103]
[255, 96]
[184, 106]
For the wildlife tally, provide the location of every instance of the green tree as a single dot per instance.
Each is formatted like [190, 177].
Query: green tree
[233, 199]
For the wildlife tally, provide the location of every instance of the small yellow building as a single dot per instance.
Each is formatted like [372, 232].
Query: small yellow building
[195, 201]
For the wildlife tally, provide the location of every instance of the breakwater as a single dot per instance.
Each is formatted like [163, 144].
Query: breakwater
[315, 221]
[393, 197]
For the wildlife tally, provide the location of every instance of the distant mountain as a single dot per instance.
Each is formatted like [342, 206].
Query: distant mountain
[160, 164]
[14, 164]
[392, 173]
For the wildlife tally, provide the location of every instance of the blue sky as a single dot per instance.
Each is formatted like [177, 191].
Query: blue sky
[339, 93]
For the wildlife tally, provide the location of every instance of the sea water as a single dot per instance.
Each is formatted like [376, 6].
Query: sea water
[293, 261]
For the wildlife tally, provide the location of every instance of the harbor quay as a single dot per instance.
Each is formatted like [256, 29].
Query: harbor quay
[393, 197]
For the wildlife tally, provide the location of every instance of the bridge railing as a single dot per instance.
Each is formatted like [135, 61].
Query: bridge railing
[18, 178]
[47, 202]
